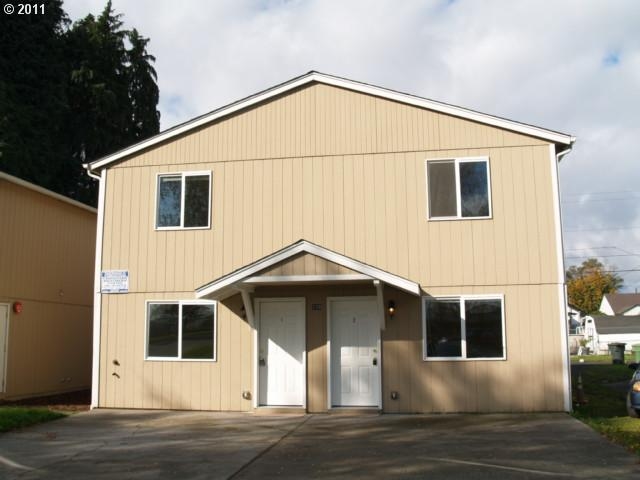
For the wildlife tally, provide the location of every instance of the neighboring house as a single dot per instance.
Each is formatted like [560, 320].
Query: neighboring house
[620, 304]
[605, 329]
[327, 243]
[47, 248]
[575, 317]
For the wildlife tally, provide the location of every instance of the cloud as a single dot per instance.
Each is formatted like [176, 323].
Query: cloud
[574, 67]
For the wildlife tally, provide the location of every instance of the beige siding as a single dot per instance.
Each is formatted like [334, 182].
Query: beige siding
[373, 209]
[321, 120]
[533, 344]
[46, 262]
[140, 383]
[306, 264]
[345, 171]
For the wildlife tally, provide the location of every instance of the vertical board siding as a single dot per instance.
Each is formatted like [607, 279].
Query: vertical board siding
[345, 171]
[141, 383]
[47, 261]
[532, 342]
[377, 214]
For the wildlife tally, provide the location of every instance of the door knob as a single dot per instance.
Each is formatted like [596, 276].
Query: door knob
[375, 361]
[262, 362]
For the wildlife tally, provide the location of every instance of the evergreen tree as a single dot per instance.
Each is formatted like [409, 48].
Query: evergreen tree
[71, 95]
[113, 89]
[143, 91]
[33, 101]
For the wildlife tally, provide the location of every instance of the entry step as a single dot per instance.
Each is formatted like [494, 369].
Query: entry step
[355, 411]
[280, 411]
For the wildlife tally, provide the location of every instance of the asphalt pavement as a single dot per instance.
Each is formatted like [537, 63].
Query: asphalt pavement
[137, 444]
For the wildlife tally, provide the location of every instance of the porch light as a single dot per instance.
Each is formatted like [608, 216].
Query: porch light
[391, 308]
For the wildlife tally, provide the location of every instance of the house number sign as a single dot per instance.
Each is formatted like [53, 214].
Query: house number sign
[114, 281]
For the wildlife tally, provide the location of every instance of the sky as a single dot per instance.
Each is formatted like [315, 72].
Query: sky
[566, 65]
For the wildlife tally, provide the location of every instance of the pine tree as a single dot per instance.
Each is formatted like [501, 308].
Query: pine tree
[33, 100]
[71, 95]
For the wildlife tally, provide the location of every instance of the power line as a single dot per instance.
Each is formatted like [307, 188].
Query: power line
[585, 200]
[587, 248]
[606, 256]
[612, 192]
[635, 227]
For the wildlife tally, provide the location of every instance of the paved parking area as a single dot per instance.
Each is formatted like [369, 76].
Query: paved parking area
[126, 444]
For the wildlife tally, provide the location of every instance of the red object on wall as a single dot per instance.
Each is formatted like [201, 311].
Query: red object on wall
[17, 307]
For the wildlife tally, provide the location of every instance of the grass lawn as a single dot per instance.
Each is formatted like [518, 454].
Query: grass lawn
[605, 387]
[18, 417]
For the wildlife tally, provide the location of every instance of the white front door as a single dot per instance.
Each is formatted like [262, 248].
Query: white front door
[4, 342]
[281, 352]
[355, 356]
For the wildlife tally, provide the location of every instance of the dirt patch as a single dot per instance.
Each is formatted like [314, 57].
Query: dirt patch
[78, 401]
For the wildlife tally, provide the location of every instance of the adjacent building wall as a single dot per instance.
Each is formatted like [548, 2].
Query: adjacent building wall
[46, 263]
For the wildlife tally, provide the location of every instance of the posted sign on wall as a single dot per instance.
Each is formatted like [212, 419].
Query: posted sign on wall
[114, 281]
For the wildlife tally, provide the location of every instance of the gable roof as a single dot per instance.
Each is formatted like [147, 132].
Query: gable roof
[313, 76]
[44, 191]
[621, 302]
[226, 282]
[611, 324]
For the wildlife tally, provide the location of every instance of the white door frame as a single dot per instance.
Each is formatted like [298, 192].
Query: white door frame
[328, 347]
[256, 338]
[3, 385]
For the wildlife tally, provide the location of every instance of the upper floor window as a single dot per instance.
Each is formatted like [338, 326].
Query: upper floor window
[459, 188]
[184, 200]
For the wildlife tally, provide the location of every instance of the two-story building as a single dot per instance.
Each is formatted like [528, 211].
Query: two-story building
[46, 296]
[328, 244]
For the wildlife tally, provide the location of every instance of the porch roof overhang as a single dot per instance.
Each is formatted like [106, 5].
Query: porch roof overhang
[248, 277]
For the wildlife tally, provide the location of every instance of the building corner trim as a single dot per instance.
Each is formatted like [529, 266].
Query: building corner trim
[97, 299]
[562, 299]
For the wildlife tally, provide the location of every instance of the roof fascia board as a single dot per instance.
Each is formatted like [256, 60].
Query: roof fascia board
[44, 191]
[460, 112]
[267, 279]
[308, 247]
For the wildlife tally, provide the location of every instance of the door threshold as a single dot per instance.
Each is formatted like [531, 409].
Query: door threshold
[355, 410]
[279, 410]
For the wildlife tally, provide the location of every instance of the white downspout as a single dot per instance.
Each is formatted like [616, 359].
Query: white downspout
[97, 300]
[562, 289]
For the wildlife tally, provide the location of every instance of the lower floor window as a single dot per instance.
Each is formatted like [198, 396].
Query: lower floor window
[465, 327]
[181, 330]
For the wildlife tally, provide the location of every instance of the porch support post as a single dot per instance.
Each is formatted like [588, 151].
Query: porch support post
[248, 306]
[380, 298]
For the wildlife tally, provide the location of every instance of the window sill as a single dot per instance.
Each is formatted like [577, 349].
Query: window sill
[170, 359]
[173, 229]
[460, 359]
[446, 219]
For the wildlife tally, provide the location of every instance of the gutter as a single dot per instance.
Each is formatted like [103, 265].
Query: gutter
[564, 153]
[87, 167]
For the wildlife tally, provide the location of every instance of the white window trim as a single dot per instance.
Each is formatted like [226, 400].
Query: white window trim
[457, 161]
[463, 334]
[180, 305]
[183, 176]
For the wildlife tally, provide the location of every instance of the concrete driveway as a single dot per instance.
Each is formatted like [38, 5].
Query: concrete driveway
[125, 444]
